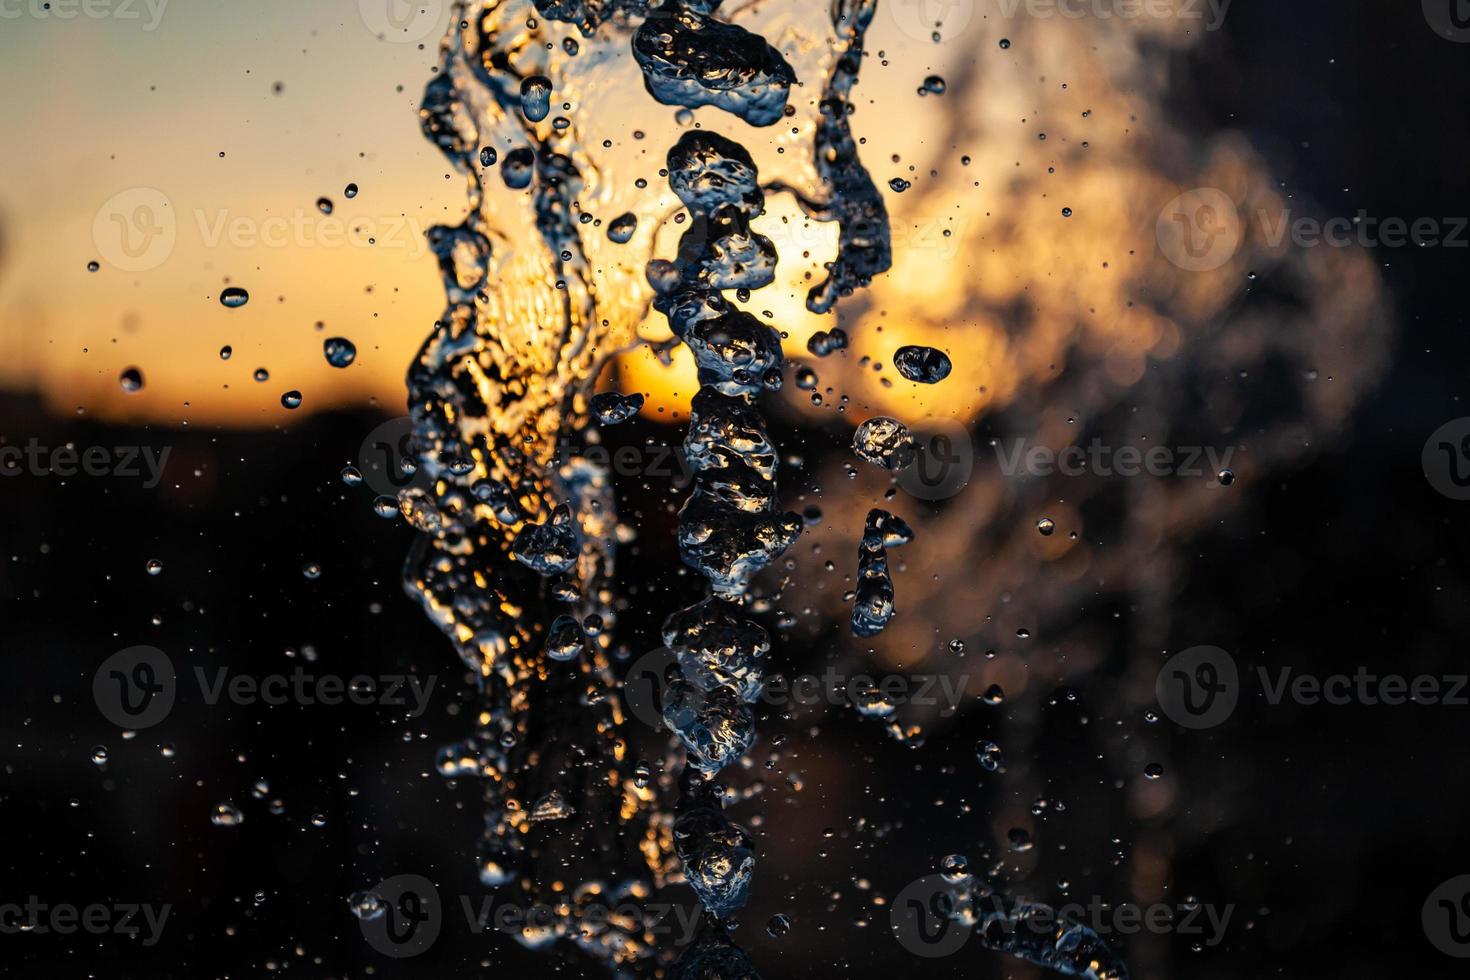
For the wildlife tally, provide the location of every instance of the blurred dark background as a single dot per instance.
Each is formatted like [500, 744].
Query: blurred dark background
[1326, 827]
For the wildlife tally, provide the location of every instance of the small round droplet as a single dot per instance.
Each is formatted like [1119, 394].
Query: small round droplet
[100, 755]
[989, 754]
[1005, 44]
[93, 266]
[536, 97]
[1066, 212]
[339, 351]
[261, 374]
[1019, 839]
[324, 205]
[385, 506]
[994, 695]
[1226, 477]
[366, 905]
[234, 297]
[955, 868]
[518, 168]
[291, 399]
[154, 566]
[352, 476]
[311, 571]
[350, 191]
[131, 380]
[933, 85]
[620, 230]
[488, 156]
[1153, 771]
[226, 352]
[899, 185]
[319, 819]
[226, 815]
[1046, 526]
[777, 926]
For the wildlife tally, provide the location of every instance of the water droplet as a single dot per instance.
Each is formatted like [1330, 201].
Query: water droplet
[350, 191]
[318, 819]
[131, 380]
[339, 351]
[536, 97]
[1153, 771]
[899, 185]
[226, 815]
[324, 205]
[778, 926]
[234, 297]
[884, 442]
[366, 905]
[93, 266]
[612, 408]
[352, 476]
[99, 755]
[925, 365]
[1046, 526]
[620, 230]
[933, 85]
[291, 399]
[385, 506]
[1005, 43]
[989, 755]
[1226, 477]
[1020, 840]
[488, 156]
[154, 566]
[225, 352]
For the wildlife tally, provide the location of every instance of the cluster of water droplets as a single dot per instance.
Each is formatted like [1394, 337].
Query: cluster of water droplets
[731, 527]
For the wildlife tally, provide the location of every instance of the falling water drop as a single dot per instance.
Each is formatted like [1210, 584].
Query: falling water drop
[234, 297]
